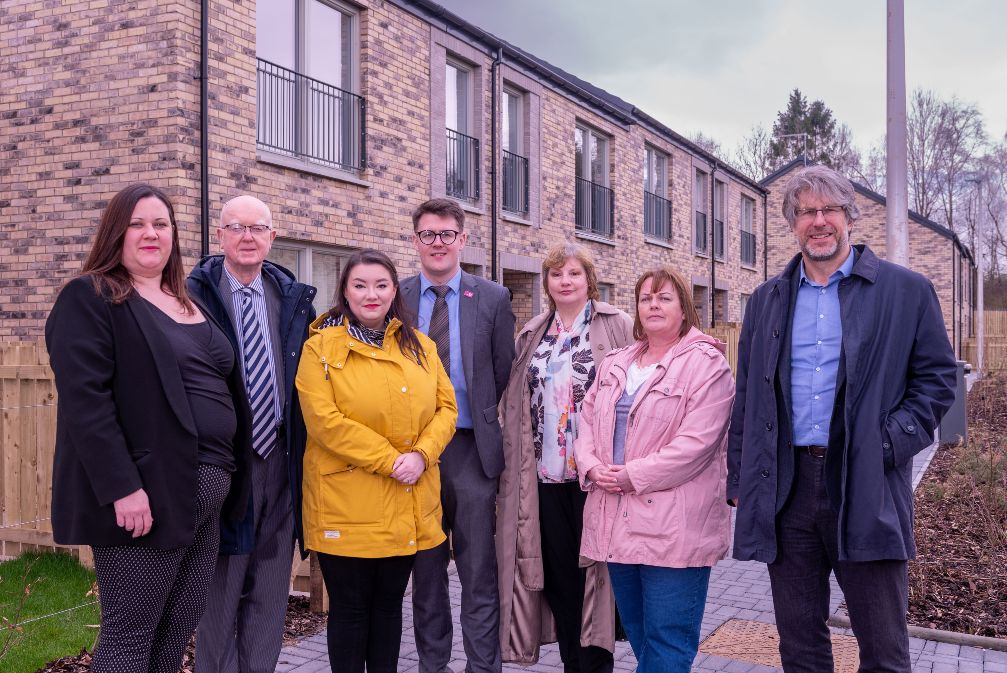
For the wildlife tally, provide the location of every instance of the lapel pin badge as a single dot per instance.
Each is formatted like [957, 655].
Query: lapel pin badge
[468, 293]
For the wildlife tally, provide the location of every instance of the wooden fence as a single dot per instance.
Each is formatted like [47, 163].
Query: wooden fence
[729, 334]
[995, 353]
[27, 438]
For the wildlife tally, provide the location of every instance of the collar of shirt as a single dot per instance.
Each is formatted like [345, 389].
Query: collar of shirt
[238, 286]
[842, 272]
[455, 283]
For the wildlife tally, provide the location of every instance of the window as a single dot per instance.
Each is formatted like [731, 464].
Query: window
[462, 148]
[595, 202]
[606, 292]
[699, 299]
[305, 106]
[656, 206]
[314, 265]
[700, 234]
[744, 305]
[747, 232]
[514, 159]
[719, 209]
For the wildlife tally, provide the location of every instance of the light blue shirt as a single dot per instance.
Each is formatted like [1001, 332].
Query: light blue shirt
[427, 298]
[815, 346]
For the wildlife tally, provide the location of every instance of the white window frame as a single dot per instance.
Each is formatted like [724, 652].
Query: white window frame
[305, 264]
[700, 205]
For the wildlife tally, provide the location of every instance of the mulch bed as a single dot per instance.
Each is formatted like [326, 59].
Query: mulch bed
[301, 623]
[959, 579]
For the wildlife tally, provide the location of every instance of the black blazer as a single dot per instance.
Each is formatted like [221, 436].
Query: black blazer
[123, 423]
[486, 322]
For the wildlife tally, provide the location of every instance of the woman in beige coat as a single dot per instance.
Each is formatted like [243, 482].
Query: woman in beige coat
[545, 593]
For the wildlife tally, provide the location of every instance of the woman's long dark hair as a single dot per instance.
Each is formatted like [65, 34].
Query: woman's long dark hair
[104, 262]
[406, 337]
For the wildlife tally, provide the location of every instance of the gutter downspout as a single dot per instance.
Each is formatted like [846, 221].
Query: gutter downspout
[955, 304]
[713, 251]
[204, 128]
[494, 158]
[765, 237]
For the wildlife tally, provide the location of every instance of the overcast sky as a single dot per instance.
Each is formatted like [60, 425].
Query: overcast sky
[722, 67]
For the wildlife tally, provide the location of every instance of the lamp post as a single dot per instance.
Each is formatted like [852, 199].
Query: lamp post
[897, 199]
[978, 179]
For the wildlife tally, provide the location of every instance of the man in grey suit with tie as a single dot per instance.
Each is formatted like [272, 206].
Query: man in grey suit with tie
[265, 313]
[470, 320]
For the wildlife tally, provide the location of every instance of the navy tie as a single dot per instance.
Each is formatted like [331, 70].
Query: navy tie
[258, 378]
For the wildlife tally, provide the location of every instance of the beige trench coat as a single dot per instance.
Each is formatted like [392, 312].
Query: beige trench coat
[525, 619]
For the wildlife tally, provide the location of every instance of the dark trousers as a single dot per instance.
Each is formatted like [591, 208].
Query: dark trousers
[152, 599]
[468, 498]
[242, 628]
[876, 592]
[561, 517]
[365, 611]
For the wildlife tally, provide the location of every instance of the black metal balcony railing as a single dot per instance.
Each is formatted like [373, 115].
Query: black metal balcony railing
[718, 239]
[701, 238]
[515, 183]
[748, 248]
[656, 216]
[594, 207]
[299, 116]
[462, 166]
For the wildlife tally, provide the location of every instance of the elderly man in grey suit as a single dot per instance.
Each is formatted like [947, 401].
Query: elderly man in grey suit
[471, 321]
[265, 313]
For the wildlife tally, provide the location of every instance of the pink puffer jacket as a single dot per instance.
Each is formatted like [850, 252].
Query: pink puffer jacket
[676, 444]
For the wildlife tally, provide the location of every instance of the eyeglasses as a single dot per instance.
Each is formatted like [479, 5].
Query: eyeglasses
[828, 212]
[427, 236]
[240, 229]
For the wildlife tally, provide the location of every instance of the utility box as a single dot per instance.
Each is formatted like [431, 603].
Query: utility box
[954, 425]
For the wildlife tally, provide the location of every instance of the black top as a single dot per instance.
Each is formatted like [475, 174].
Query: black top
[205, 358]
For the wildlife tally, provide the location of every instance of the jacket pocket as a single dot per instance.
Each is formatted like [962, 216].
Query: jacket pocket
[654, 515]
[351, 497]
[662, 400]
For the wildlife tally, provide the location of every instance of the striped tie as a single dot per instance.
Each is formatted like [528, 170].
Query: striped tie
[440, 327]
[258, 378]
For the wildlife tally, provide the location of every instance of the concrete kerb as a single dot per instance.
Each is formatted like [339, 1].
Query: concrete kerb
[938, 635]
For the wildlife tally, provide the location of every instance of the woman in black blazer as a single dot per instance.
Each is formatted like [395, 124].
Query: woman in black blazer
[152, 433]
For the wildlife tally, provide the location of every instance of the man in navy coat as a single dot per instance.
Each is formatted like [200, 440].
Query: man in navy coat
[844, 371]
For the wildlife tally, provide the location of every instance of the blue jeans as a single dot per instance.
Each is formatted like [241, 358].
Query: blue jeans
[662, 611]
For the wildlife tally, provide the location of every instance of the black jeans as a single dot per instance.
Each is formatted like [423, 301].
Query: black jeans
[365, 611]
[561, 517]
[876, 592]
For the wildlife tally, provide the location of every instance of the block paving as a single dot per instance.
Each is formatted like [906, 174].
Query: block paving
[738, 590]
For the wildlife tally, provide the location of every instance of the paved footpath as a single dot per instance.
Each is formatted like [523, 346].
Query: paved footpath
[737, 590]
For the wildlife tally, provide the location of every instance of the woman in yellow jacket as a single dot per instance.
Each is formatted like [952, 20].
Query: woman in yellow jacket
[379, 410]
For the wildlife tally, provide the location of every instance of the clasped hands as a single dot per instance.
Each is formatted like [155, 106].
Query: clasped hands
[408, 467]
[611, 478]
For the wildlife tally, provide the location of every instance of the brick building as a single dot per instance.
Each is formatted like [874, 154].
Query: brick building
[343, 117]
[934, 250]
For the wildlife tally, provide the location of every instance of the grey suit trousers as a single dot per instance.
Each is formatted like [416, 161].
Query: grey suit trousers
[469, 500]
[242, 628]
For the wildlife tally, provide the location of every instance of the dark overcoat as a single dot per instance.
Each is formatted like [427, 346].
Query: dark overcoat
[296, 314]
[123, 423]
[896, 380]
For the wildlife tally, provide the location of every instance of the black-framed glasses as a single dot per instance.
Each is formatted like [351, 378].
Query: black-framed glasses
[240, 229]
[828, 212]
[428, 236]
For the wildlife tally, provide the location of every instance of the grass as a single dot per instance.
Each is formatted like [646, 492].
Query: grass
[55, 582]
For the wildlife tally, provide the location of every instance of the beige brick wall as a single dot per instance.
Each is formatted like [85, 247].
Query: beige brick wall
[101, 94]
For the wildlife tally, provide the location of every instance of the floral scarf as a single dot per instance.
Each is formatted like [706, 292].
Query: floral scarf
[559, 373]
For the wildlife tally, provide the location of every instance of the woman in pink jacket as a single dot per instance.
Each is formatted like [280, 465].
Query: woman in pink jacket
[652, 455]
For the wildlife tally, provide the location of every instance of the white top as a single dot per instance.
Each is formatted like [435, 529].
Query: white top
[637, 376]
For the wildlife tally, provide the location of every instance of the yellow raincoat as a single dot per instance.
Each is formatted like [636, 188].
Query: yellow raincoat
[364, 406]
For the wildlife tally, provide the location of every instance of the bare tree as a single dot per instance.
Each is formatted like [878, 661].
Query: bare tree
[707, 143]
[754, 156]
[873, 168]
[923, 138]
[962, 139]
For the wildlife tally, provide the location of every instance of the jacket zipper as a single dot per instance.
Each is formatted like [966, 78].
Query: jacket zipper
[325, 366]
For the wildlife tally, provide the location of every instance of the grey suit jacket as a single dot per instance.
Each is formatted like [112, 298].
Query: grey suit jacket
[487, 340]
